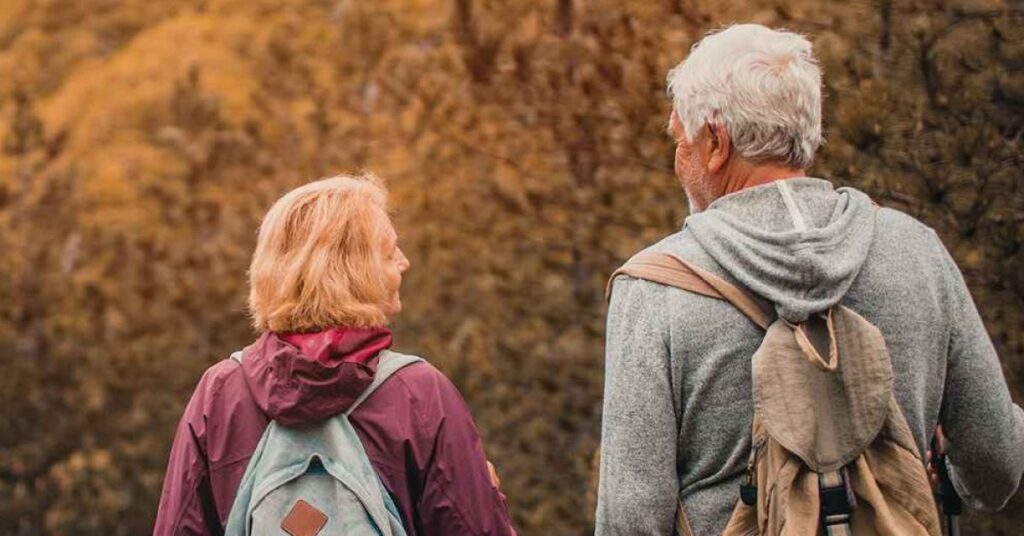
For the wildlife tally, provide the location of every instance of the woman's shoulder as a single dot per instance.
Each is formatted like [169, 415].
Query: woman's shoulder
[420, 376]
[210, 391]
[425, 387]
[218, 374]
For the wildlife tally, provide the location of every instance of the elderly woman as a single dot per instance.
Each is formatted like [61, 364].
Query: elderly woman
[324, 280]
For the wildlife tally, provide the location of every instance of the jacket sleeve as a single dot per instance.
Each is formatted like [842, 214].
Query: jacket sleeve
[187, 499]
[983, 427]
[639, 485]
[458, 497]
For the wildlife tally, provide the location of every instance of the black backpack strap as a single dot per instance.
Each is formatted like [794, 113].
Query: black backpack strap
[837, 503]
[949, 499]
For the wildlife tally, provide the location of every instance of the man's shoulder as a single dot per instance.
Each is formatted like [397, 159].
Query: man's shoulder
[680, 243]
[894, 221]
[677, 243]
[897, 231]
[653, 295]
[685, 246]
[674, 243]
[898, 221]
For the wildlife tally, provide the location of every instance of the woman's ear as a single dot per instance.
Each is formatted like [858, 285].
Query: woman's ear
[719, 147]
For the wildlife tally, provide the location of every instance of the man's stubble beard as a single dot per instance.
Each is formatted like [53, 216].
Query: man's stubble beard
[689, 201]
[701, 185]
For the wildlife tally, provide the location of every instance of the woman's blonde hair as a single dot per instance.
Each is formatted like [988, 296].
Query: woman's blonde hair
[317, 262]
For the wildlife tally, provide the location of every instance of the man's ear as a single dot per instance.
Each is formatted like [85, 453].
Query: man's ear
[719, 147]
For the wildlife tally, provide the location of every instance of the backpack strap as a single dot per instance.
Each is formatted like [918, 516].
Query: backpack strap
[669, 269]
[836, 503]
[387, 364]
[950, 501]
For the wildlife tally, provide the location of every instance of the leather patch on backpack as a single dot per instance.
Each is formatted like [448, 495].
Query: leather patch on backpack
[304, 520]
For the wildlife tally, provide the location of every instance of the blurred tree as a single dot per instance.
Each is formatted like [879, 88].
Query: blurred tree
[141, 142]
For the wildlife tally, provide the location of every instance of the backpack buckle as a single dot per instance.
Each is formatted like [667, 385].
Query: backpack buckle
[748, 494]
[837, 498]
[748, 488]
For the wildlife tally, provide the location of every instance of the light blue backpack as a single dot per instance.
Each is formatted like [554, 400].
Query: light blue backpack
[316, 480]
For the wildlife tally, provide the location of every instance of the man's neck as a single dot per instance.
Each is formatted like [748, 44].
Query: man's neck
[741, 175]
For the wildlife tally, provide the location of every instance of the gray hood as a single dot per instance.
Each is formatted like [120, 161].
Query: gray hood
[799, 243]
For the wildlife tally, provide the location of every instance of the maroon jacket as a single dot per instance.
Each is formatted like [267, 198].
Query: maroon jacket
[416, 429]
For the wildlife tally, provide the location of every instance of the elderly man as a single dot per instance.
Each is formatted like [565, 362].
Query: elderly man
[746, 120]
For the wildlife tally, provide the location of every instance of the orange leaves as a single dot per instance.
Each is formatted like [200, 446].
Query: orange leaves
[522, 142]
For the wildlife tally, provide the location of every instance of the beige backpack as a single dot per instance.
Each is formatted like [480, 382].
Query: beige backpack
[832, 452]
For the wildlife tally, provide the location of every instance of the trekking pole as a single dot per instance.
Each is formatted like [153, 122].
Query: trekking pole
[952, 505]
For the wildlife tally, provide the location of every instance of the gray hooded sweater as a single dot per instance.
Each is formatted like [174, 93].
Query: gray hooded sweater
[677, 402]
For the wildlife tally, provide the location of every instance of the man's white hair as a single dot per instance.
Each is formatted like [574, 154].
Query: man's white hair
[763, 85]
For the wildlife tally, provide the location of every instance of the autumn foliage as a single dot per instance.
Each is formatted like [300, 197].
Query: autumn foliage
[141, 141]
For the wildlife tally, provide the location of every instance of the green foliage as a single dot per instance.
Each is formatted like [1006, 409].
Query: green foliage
[141, 142]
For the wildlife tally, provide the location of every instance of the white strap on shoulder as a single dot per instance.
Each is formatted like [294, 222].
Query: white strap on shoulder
[237, 356]
[387, 364]
[794, 210]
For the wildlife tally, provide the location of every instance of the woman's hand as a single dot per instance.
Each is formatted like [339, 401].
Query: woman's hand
[494, 474]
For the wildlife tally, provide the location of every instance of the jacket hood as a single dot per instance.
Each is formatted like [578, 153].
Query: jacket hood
[299, 378]
[798, 243]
